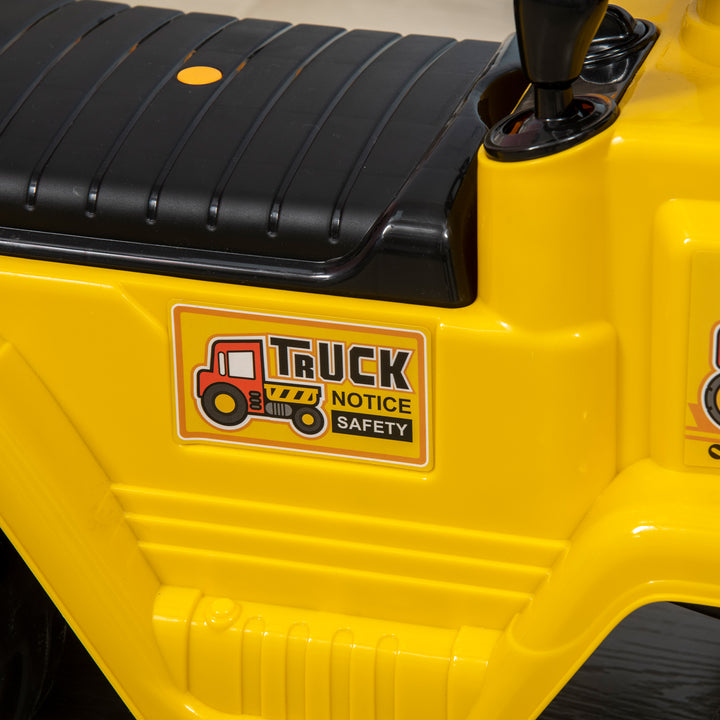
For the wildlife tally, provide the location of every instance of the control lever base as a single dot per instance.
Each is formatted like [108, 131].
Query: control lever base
[524, 136]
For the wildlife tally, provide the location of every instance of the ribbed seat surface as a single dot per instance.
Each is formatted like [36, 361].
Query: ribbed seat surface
[321, 159]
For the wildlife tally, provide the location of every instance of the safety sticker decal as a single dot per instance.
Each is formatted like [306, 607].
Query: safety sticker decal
[329, 388]
[703, 428]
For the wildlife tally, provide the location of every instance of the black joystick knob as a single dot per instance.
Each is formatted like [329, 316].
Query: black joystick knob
[554, 37]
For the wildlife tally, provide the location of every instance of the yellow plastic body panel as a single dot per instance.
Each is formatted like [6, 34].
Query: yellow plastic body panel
[565, 474]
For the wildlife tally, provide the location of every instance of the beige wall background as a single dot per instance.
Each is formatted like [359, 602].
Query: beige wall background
[480, 19]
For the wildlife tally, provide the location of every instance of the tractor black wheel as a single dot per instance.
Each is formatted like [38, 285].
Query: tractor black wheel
[32, 635]
[710, 399]
[308, 420]
[224, 404]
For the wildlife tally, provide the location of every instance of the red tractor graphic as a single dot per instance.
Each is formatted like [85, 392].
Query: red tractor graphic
[234, 388]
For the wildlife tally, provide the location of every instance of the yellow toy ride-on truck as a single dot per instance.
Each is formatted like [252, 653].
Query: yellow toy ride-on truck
[343, 376]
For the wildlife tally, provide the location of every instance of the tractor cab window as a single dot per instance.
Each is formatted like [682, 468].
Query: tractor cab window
[221, 363]
[241, 364]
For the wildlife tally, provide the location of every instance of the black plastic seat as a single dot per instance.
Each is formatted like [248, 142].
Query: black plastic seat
[322, 159]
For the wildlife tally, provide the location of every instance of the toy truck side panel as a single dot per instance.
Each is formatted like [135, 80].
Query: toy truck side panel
[231, 542]
[558, 475]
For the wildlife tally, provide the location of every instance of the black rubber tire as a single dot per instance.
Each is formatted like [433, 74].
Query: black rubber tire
[710, 399]
[32, 636]
[227, 419]
[301, 424]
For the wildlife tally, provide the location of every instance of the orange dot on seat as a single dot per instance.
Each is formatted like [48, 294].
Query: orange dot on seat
[199, 75]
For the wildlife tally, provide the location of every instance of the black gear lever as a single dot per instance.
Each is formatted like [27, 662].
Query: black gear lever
[554, 38]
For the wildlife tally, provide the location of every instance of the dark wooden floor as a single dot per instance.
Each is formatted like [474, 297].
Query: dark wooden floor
[661, 663]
